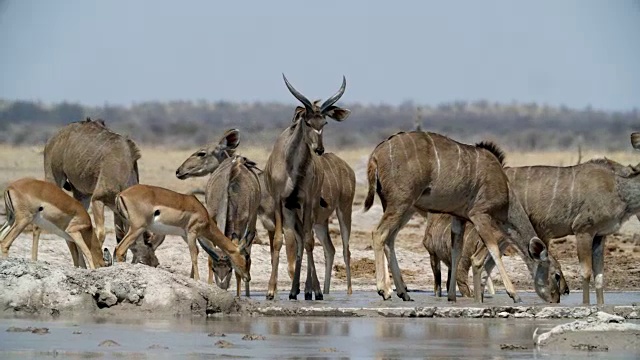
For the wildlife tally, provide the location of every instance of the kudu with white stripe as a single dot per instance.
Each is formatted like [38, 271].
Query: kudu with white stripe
[293, 178]
[337, 193]
[427, 172]
[95, 163]
[233, 198]
[590, 200]
[437, 241]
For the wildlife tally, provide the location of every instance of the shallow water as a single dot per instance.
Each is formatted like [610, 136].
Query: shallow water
[289, 337]
[426, 298]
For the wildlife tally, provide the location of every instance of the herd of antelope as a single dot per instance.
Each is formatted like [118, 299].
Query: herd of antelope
[474, 205]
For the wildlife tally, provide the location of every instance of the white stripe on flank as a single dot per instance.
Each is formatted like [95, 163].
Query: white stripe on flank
[526, 190]
[335, 178]
[391, 156]
[404, 150]
[435, 150]
[459, 157]
[477, 162]
[555, 189]
[573, 181]
[415, 149]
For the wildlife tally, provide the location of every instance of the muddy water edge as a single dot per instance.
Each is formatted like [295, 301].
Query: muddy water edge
[279, 337]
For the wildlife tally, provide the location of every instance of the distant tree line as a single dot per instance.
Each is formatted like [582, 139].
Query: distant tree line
[515, 126]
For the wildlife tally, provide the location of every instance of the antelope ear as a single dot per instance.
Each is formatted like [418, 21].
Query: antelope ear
[538, 250]
[230, 139]
[337, 113]
[298, 114]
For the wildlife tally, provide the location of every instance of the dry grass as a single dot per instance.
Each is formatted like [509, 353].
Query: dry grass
[158, 164]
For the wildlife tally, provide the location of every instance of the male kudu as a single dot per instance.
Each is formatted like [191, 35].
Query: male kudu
[293, 178]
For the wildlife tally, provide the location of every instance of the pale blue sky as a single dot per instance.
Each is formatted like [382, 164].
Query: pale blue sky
[576, 53]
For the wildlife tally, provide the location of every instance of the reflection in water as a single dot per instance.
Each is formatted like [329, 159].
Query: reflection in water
[285, 337]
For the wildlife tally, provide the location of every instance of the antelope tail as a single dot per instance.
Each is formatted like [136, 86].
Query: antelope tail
[121, 208]
[10, 215]
[372, 177]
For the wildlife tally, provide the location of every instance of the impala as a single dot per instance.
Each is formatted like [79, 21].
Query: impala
[166, 212]
[30, 201]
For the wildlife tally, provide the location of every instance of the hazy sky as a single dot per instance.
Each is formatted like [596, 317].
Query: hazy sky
[576, 53]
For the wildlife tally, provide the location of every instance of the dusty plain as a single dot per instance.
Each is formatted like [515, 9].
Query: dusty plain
[158, 165]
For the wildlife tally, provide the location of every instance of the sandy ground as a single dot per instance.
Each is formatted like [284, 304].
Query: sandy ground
[622, 268]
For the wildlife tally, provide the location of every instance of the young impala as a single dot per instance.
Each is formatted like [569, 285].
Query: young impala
[166, 212]
[31, 201]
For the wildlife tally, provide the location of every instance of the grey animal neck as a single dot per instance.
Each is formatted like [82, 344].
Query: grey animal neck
[298, 151]
[522, 231]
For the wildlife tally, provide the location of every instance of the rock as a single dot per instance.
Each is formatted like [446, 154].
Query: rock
[253, 337]
[580, 332]
[628, 312]
[604, 317]
[423, 312]
[19, 329]
[108, 343]
[564, 312]
[40, 331]
[512, 347]
[42, 288]
[590, 347]
[223, 344]
[33, 330]
[216, 334]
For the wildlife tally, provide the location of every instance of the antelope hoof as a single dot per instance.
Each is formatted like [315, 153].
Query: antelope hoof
[517, 299]
[384, 296]
[270, 296]
[404, 297]
[308, 296]
[319, 296]
[293, 296]
[451, 298]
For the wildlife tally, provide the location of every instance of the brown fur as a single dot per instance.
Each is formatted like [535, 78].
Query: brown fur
[590, 200]
[29, 199]
[294, 178]
[437, 241]
[146, 207]
[234, 195]
[427, 172]
[97, 164]
[232, 200]
[338, 190]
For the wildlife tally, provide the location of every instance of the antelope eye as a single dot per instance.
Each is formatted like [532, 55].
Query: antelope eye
[557, 276]
[201, 154]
